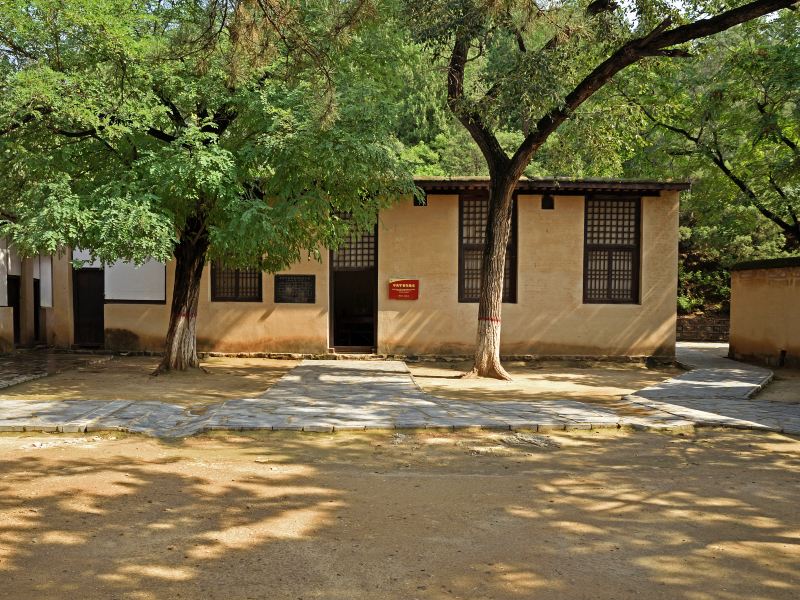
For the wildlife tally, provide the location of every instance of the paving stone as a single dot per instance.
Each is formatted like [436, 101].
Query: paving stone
[12, 426]
[318, 427]
[577, 426]
[359, 395]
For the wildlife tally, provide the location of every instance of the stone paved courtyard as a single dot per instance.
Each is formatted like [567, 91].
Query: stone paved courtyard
[29, 365]
[347, 395]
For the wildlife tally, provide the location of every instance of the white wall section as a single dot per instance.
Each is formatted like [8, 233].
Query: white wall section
[126, 281]
[46, 281]
[78, 254]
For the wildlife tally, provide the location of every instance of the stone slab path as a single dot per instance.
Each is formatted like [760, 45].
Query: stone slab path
[347, 395]
[718, 391]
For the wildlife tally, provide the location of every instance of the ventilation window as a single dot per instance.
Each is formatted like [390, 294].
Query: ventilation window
[235, 285]
[295, 289]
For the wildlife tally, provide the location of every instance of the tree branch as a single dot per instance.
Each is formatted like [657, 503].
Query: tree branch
[496, 157]
[653, 44]
[762, 109]
[780, 191]
[160, 135]
[28, 118]
[172, 110]
[717, 158]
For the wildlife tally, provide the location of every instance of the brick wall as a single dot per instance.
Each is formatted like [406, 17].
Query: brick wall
[702, 327]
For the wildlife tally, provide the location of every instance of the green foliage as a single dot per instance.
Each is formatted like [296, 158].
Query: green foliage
[701, 287]
[730, 119]
[121, 121]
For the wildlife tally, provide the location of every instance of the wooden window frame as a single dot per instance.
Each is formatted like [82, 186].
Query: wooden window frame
[280, 276]
[511, 251]
[217, 297]
[636, 251]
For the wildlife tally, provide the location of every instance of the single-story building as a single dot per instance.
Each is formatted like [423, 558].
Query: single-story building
[765, 311]
[26, 298]
[591, 271]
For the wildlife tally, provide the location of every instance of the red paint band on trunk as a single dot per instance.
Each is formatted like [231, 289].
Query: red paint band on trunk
[490, 319]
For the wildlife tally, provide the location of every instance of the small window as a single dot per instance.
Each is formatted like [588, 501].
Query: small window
[472, 217]
[611, 252]
[235, 285]
[548, 202]
[295, 289]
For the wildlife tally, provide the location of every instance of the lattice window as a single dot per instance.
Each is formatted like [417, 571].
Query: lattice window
[295, 289]
[235, 285]
[473, 215]
[612, 250]
[357, 253]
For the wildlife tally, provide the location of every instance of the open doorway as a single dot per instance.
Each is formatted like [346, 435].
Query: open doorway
[88, 306]
[354, 294]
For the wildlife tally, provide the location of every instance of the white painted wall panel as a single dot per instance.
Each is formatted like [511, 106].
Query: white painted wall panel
[46, 281]
[126, 281]
[14, 262]
[78, 254]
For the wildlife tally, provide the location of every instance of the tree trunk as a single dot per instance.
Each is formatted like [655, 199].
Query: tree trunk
[490, 304]
[180, 352]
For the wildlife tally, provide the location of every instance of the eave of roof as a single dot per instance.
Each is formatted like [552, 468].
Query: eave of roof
[553, 185]
[768, 263]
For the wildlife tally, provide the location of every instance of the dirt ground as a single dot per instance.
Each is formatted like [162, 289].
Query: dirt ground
[602, 383]
[128, 378]
[785, 387]
[599, 515]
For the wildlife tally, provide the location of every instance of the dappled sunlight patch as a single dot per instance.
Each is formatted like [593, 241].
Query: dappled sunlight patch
[290, 524]
[129, 378]
[524, 512]
[65, 538]
[556, 380]
[403, 516]
[519, 581]
[577, 527]
[129, 574]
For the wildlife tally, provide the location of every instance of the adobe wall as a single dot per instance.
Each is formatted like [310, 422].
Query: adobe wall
[58, 320]
[549, 317]
[230, 326]
[6, 329]
[765, 312]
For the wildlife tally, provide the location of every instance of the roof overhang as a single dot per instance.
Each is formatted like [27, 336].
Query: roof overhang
[566, 187]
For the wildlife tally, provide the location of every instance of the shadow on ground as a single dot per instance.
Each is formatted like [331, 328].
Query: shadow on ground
[601, 383]
[594, 515]
[129, 378]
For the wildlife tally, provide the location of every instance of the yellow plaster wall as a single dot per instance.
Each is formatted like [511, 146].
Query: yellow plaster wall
[230, 326]
[422, 242]
[58, 320]
[765, 315]
[6, 328]
[550, 317]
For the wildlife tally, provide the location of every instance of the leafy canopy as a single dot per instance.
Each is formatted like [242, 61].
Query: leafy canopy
[121, 122]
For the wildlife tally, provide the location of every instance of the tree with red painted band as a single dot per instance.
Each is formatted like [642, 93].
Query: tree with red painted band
[519, 66]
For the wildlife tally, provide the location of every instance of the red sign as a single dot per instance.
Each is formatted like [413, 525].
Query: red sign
[403, 289]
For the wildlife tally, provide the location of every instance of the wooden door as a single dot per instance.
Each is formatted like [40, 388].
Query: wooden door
[354, 294]
[89, 300]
